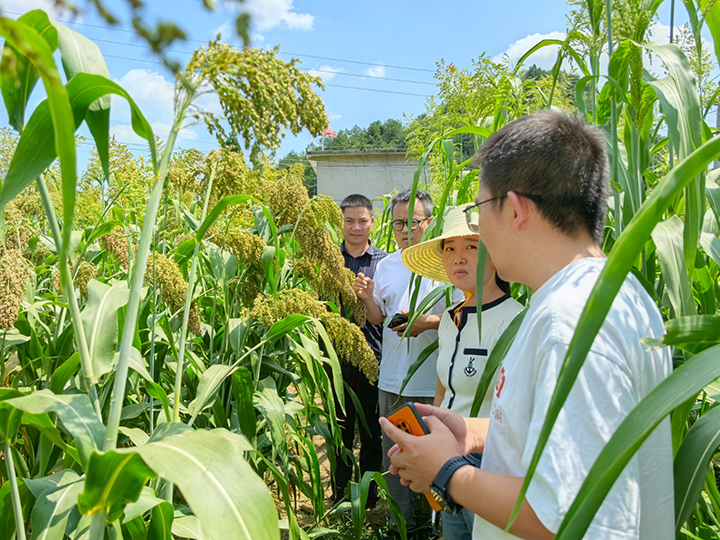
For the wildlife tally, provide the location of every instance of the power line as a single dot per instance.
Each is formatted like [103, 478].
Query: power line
[293, 54]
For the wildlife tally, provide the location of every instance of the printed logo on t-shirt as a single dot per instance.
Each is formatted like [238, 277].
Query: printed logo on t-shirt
[500, 383]
[470, 370]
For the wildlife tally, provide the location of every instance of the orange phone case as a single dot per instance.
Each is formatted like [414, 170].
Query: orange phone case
[409, 420]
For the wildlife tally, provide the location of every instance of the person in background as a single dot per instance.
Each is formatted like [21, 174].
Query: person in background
[540, 212]
[360, 257]
[452, 257]
[386, 295]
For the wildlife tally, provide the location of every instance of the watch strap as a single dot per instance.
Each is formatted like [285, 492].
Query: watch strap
[446, 471]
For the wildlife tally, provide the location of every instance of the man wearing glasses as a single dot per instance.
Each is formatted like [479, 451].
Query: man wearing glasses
[540, 212]
[387, 295]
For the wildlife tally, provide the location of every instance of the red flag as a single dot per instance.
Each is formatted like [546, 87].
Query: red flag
[328, 132]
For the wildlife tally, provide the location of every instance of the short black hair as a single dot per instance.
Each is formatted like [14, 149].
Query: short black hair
[422, 196]
[355, 200]
[558, 157]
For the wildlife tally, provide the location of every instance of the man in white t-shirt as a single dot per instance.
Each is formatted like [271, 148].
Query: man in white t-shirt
[388, 294]
[543, 191]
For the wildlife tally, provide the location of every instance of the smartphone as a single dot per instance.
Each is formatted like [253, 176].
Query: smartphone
[397, 320]
[409, 420]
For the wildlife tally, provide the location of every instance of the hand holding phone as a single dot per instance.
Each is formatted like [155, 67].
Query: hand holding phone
[408, 419]
[397, 320]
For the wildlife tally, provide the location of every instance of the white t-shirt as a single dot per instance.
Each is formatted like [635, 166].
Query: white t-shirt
[462, 357]
[392, 295]
[618, 372]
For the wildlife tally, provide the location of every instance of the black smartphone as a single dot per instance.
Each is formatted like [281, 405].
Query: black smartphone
[397, 320]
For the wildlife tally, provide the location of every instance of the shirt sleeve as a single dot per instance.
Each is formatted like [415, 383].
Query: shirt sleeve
[599, 400]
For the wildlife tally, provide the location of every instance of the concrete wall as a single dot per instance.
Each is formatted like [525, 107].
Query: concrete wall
[369, 172]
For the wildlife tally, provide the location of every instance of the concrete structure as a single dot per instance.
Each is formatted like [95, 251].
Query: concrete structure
[372, 173]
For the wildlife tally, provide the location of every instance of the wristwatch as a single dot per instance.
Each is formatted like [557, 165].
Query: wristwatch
[438, 488]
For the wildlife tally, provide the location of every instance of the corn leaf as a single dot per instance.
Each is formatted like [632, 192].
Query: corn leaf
[18, 76]
[53, 509]
[75, 412]
[691, 462]
[100, 322]
[229, 499]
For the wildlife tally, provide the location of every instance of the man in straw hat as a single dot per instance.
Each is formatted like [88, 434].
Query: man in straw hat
[540, 211]
[389, 294]
[462, 355]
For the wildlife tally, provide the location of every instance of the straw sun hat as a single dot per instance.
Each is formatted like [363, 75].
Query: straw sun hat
[425, 258]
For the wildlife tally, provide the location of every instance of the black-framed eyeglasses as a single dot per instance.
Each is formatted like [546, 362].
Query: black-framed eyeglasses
[399, 224]
[472, 212]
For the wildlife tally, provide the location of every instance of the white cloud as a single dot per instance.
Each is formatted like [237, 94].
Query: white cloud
[224, 30]
[544, 58]
[257, 38]
[326, 73]
[376, 71]
[267, 14]
[152, 92]
[333, 117]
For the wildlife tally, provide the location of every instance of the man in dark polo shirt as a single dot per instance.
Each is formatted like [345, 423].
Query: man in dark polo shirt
[360, 256]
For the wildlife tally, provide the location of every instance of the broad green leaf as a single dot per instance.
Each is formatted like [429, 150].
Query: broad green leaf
[29, 43]
[112, 480]
[64, 373]
[187, 527]
[160, 527]
[36, 148]
[691, 462]
[147, 501]
[208, 387]
[50, 483]
[10, 417]
[237, 331]
[711, 244]
[683, 384]
[281, 328]
[18, 76]
[223, 491]
[335, 368]
[242, 390]
[136, 435]
[100, 322]
[52, 511]
[80, 55]
[76, 413]
[680, 103]
[668, 238]
[272, 409]
[712, 20]
[219, 208]
[624, 253]
[12, 337]
[156, 391]
[693, 333]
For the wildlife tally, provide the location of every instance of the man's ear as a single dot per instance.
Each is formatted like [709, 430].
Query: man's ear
[521, 208]
[429, 220]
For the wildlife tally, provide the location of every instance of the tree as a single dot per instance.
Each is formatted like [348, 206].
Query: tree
[390, 134]
[310, 176]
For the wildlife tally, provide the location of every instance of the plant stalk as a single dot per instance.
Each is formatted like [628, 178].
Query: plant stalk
[188, 301]
[68, 292]
[138, 276]
[15, 492]
[97, 525]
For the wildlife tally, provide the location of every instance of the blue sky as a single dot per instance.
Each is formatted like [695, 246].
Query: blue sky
[377, 58]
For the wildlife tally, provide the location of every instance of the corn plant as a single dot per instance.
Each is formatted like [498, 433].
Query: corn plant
[96, 459]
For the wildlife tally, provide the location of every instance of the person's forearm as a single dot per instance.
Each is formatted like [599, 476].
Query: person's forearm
[374, 315]
[492, 497]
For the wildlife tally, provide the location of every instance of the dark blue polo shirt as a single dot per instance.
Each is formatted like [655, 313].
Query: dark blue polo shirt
[367, 263]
